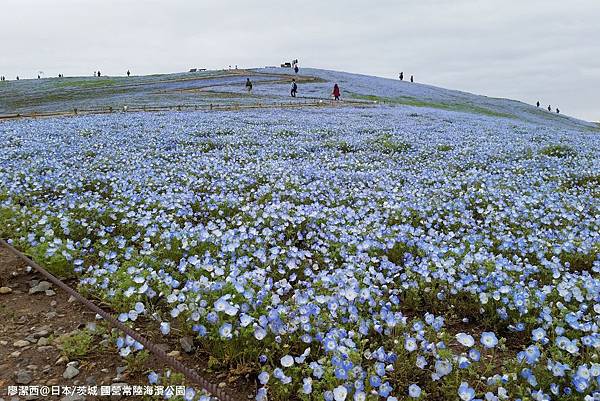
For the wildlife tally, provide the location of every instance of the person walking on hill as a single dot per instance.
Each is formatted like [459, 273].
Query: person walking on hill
[538, 104]
[557, 111]
[294, 88]
[401, 76]
[336, 92]
[549, 108]
[296, 69]
[98, 72]
[412, 78]
[128, 73]
[248, 85]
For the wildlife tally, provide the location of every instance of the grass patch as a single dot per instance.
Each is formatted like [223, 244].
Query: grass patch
[340, 146]
[409, 101]
[445, 148]
[387, 144]
[86, 83]
[560, 151]
[76, 344]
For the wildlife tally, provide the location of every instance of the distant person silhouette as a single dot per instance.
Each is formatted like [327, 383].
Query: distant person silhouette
[17, 77]
[336, 92]
[296, 69]
[412, 78]
[538, 104]
[98, 72]
[128, 73]
[38, 76]
[549, 108]
[248, 85]
[294, 88]
[557, 111]
[401, 76]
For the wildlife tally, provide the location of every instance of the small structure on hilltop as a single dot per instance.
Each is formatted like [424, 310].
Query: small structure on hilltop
[290, 64]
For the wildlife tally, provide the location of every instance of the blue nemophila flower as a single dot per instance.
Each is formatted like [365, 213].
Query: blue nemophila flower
[153, 377]
[139, 307]
[580, 383]
[307, 385]
[200, 329]
[474, 354]
[340, 373]
[360, 396]
[414, 391]
[410, 344]
[317, 369]
[463, 362]
[488, 339]
[380, 369]
[385, 389]
[465, 339]
[539, 335]
[340, 393]
[165, 328]
[225, 331]
[261, 394]
[259, 332]
[466, 392]
[287, 361]
[375, 381]
[442, 368]
[263, 378]
[531, 355]
[190, 394]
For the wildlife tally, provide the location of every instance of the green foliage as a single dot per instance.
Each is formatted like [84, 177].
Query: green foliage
[388, 145]
[445, 148]
[581, 262]
[341, 146]
[560, 151]
[397, 253]
[76, 344]
[410, 101]
[136, 362]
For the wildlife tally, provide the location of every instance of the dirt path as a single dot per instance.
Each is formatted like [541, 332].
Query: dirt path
[47, 339]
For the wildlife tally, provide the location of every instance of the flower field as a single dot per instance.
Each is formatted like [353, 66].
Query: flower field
[342, 254]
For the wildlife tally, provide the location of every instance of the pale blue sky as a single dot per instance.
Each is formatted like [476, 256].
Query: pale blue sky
[526, 50]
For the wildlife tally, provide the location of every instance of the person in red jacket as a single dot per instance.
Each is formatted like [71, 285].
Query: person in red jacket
[336, 92]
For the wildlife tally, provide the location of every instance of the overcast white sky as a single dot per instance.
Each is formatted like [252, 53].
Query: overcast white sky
[526, 50]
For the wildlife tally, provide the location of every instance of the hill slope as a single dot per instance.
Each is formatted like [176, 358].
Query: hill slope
[271, 86]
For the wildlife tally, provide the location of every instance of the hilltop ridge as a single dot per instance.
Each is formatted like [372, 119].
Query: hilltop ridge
[271, 87]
